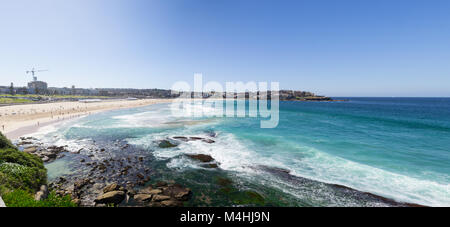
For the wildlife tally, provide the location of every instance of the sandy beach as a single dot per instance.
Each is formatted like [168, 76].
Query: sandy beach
[18, 120]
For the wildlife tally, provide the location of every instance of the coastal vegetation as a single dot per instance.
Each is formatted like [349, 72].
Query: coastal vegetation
[31, 98]
[14, 100]
[21, 175]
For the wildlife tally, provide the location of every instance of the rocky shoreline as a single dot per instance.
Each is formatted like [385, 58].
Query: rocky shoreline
[119, 180]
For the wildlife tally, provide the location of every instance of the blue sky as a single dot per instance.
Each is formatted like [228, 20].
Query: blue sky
[334, 48]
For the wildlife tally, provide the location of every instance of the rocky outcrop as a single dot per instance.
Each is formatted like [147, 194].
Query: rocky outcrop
[113, 187]
[30, 149]
[115, 179]
[31, 145]
[143, 197]
[113, 197]
[42, 193]
[163, 194]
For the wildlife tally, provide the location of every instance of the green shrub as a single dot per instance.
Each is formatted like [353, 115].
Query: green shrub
[14, 156]
[18, 198]
[16, 176]
[19, 170]
[21, 198]
[5, 143]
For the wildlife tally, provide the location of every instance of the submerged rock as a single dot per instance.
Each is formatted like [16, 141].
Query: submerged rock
[201, 157]
[178, 192]
[208, 141]
[161, 184]
[210, 166]
[166, 144]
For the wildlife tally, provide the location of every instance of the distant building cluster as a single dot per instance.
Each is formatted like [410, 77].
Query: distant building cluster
[37, 87]
[41, 87]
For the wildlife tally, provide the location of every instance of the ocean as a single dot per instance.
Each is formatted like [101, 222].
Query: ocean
[396, 148]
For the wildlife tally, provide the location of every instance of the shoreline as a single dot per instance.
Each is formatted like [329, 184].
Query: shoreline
[16, 121]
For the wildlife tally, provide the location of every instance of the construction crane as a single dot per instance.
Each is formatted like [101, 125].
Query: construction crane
[33, 71]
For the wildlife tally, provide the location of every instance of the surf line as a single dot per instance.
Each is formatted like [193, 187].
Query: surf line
[208, 100]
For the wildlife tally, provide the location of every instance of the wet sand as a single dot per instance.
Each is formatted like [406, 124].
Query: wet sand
[19, 120]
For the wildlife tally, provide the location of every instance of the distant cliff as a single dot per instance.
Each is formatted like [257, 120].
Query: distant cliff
[290, 95]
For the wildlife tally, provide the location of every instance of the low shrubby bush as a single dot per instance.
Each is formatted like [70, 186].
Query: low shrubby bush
[21, 175]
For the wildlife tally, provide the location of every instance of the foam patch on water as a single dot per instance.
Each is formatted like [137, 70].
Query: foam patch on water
[331, 169]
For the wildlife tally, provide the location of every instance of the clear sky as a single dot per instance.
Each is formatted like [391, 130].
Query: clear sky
[333, 48]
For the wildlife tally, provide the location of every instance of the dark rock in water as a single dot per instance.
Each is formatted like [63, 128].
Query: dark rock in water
[192, 138]
[24, 143]
[337, 190]
[210, 166]
[178, 192]
[166, 144]
[161, 184]
[274, 170]
[224, 182]
[114, 197]
[208, 141]
[57, 149]
[253, 198]
[201, 157]
[81, 183]
[212, 134]
[182, 194]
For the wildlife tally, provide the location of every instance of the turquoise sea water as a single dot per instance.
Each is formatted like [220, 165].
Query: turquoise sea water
[398, 148]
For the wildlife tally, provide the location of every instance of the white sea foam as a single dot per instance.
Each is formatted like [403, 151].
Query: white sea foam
[331, 169]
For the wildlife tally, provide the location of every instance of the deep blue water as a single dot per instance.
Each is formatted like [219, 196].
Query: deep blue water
[395, 147]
